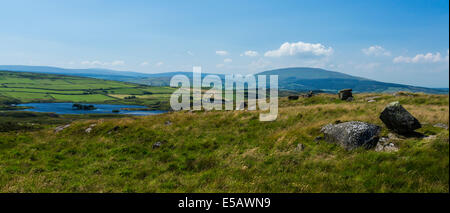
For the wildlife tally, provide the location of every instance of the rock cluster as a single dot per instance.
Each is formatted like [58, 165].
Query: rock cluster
[354, 134]
[385, 145]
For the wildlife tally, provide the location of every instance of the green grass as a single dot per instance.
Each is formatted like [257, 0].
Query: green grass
[32, 87]
[229, 151]
[83, 98]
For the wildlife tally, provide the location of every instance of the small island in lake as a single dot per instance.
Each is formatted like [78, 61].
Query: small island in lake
[83, 107]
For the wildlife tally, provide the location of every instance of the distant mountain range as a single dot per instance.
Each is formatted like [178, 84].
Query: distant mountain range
[298, 79]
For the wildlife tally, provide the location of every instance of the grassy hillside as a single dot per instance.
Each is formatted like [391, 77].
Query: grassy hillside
[31, 87]
[298, 79]
[230, 151]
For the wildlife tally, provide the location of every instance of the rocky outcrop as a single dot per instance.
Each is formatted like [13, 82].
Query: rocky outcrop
[385, 145]
[398, 119]
[352, 134]
[346, 95]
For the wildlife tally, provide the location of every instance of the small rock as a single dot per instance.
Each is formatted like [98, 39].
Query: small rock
[441, 125]
[397, 118]
[370, 101]
[157, 145]
[372, 98]
[300, 147]
[402, 93]
[352, 134]
[308, 95]
[61, 128]
[88, 130]
[430, 137]
[393, 136]
[293, 97]
[384, 145]
[168, 123]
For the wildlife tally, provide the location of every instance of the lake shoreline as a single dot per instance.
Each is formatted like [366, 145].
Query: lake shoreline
[67, 108]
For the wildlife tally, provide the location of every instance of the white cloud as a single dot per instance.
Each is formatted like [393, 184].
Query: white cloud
[144, 63]
[159, 64]
[250, 53]
[290, 49]
[376, 51]
[117, 63]
[227, 60]
[100, 63]
[220, 65]
[422, 58]
[221, 52]
[190, 53]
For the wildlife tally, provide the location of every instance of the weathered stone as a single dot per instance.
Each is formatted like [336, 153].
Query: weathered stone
[61, 128]
[370, 101]
[352, 134]
[157, 145]
[398, 119]
[384, 145]
[441, 125]
[308, 95]
[293, 97]
[345, 94]
[88, 130]
[300, 147]
[430, 137]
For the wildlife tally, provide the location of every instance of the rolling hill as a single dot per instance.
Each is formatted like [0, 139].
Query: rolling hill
[299, 79]
[304, 79]
[25, 87]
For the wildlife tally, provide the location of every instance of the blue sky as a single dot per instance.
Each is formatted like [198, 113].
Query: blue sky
[393, 41]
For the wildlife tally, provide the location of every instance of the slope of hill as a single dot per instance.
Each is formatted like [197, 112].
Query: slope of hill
[228, 151]
[304, 78]
[26, 87]
[299, 79]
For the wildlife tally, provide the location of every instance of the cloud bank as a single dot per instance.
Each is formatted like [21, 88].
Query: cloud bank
[376, 51]
[422, 58]
[291, 49]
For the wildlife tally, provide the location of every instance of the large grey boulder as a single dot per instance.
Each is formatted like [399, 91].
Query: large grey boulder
[352, 134]
[398, 119]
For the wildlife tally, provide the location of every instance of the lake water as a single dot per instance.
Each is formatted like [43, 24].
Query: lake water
[66, 108]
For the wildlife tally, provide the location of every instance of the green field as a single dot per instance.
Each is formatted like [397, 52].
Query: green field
[225, 151]
[31, 87]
